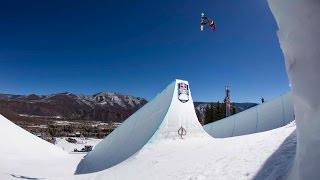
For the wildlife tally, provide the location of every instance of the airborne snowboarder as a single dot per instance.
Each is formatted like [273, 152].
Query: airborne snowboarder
[207, 21]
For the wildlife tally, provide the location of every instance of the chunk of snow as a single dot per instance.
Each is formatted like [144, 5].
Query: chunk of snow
[299, 36]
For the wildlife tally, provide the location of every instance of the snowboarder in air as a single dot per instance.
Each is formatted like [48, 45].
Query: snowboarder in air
[207, 21]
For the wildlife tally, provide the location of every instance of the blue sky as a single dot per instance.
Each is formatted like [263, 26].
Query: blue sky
[138, 47]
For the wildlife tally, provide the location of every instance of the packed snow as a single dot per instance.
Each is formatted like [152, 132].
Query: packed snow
[150, 147]
[299, 36]
[23, 154]
[160, 119]
[265, 155]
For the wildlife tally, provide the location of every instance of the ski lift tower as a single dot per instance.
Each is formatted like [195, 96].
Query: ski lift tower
[228, 105]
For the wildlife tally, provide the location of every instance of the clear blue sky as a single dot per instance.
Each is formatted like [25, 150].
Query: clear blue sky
[138, 47]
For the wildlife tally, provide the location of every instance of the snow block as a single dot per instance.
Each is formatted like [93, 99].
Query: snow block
[299, 37]
[159, 119]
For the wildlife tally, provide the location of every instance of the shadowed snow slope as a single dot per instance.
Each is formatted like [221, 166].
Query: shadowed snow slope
[160, 119]
[23, 154]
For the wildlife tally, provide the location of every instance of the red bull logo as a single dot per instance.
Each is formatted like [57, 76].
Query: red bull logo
[183, 92]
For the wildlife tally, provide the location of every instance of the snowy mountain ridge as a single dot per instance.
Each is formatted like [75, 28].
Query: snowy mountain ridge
[102, 98]
[103, 106]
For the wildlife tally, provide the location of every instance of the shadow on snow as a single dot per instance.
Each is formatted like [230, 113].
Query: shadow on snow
[24, 177]
[280, 162]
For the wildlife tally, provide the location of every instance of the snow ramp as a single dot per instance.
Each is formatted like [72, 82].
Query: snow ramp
[16, 141]
[23, 154]
[159, 119]
[266, 116]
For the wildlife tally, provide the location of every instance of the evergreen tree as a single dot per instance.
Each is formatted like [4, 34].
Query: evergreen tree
[199, 117]
[207, 117]
[209, 113]
[233, 109]
[216, 112]
[218, 109]
[223, 110]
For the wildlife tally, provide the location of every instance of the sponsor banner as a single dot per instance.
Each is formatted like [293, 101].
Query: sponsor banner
[183, 92]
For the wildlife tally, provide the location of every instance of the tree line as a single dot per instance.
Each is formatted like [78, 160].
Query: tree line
[214, 112]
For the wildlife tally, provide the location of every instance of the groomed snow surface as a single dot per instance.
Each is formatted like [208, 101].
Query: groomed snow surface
[158, 120]
[158, 151]
[265, 155]
[24, 155]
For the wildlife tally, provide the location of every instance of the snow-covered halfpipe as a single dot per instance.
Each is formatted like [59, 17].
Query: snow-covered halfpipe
[269, 115]
[159, 119]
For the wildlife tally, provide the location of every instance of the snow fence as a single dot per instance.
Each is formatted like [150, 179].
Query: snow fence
[269, 115]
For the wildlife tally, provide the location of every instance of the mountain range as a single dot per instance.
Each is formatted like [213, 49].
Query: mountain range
[103, 106]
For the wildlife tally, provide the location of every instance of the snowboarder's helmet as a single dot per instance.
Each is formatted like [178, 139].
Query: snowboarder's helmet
[202, 14]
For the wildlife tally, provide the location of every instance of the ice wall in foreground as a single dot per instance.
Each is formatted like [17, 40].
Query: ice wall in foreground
[159, 119]
[299, 36]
